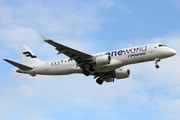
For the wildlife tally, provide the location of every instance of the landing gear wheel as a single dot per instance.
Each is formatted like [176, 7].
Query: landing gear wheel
[86, 73]
[99, 81]
[157, 66]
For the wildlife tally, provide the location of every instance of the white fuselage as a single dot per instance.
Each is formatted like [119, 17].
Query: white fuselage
[119, 58]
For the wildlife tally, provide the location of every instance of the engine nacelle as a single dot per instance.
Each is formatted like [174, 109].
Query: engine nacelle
[102, 60]
[122, 73]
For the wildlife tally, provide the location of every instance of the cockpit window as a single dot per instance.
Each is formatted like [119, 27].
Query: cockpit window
[160, 45]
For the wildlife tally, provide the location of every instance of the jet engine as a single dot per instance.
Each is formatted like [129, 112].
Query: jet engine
[122, 73]
[102, 60]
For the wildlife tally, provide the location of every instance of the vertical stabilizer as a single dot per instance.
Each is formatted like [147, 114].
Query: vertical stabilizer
[28, 57]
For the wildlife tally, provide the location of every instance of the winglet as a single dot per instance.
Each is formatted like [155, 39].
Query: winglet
[45, 39]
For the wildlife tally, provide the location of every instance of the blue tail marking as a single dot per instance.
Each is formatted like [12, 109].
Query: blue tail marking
[28, 54]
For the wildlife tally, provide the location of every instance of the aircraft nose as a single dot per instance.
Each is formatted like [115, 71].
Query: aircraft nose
[172, 52]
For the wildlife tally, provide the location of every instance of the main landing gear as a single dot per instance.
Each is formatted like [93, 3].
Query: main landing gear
[90, 69]
[99, 81]
[86, 72]
[157, 60]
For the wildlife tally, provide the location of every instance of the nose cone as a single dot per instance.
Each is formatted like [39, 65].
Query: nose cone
[172, 52]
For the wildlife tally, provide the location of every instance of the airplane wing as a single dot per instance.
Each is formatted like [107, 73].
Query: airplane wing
[18, 65]
[70, 52]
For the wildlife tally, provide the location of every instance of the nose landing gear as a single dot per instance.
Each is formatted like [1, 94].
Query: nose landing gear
[157, 66]
[156, 62]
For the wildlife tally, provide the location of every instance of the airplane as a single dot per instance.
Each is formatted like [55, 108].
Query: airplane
[103, 66]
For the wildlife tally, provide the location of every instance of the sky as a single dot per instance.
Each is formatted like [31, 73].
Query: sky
[90, 26]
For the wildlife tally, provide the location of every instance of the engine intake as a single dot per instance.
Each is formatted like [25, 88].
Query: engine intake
[122, 73]
[102, 60]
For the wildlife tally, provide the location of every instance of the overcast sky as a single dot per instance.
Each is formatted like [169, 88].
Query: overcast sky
[90, 26]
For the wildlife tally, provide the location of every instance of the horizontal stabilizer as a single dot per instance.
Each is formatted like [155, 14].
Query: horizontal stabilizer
[20, 66]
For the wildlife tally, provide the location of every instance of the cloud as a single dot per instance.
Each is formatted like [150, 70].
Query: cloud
[66, 22]
[23, 91]
[78, 93]
[64, 18]
[162, 84]
[108, 3]
[17, 109]
[18, 35]
[159, 86]
[14, 102]
[169, 108]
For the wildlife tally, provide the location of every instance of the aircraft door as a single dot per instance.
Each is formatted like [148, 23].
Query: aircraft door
[151, 48]
[46, 66]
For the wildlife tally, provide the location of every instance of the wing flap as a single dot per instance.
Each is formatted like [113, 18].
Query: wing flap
[18, 65]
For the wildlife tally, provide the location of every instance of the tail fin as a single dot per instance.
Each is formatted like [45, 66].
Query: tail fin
[28, 57]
